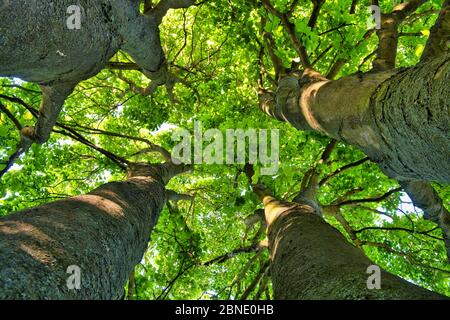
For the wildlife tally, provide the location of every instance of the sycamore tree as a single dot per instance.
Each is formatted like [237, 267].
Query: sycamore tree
[94, 206]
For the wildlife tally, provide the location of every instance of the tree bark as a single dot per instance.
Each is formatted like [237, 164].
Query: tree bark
[39, 43]
[399, 118]
[312, 260]
[105, 233]
[36, 44]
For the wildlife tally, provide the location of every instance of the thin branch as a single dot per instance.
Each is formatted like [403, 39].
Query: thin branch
[388, 34]
[353, 6]
[152, 147]
[11, 161]
[67, 131]
[232, 254]
[426, 198]
[321, 55]
[131, 285]
[406, 255]
[160, 10]
[339, 63]
[342, 169]
[317, 5]
[289, 27]
[255, 281]
[342, 25]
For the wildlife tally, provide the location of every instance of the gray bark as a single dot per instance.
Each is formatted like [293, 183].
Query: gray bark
[37, 45]
[105, 233]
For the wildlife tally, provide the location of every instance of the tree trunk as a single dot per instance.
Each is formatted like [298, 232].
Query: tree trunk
[399, 118]
[312, 260]
[37, 45]
[58, 44]
[105, 233]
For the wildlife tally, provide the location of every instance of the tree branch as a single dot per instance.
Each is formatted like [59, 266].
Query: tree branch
[425, 233]
[342, 169]
[174, 196]
[152, 147]
[11, 117]
[160, 10]
[11, 161]
[255, 281]
[339, 63]
[353, 6]
[388, 34]
[231, 254]
[426, 198]
[406, 255]
[276, 61]
[290, 29]
[317, 5]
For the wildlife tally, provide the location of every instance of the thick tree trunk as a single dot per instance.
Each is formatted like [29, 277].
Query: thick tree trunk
[60, 43]
[399, 118]
[104, 233]
[312, 260]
